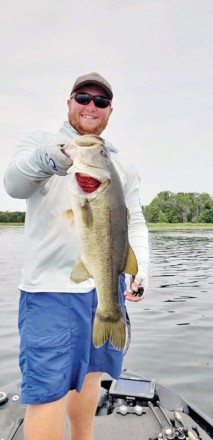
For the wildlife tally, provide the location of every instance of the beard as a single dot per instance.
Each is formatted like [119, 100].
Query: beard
[84, 128]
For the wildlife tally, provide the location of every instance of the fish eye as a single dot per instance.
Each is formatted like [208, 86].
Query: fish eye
[104, 153]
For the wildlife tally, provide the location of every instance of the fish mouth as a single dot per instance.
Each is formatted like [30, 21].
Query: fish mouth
[87, 183]
[80, 165]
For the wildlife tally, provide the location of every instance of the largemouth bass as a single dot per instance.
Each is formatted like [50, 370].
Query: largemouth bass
[101, 221]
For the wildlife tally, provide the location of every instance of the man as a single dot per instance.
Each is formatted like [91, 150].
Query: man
[61, 369]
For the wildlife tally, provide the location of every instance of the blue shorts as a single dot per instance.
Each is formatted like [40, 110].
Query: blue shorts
[56, 350]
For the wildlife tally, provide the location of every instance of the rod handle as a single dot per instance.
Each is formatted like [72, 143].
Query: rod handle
[191, 436]
[178, 417]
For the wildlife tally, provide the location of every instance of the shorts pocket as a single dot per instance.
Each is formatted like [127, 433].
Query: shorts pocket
[48, 354]
[49, 341]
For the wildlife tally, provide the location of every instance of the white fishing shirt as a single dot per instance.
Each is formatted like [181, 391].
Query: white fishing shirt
[51, 248]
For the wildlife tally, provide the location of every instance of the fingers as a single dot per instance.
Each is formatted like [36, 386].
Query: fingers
[133, 296]
[135, 289]
[140, 284]
[70, 149]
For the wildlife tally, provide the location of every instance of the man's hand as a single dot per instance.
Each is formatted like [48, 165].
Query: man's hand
[70, 149]
[138, 287]
[59, 157]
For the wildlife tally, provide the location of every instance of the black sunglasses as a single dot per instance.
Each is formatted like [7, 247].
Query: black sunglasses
[86, 98]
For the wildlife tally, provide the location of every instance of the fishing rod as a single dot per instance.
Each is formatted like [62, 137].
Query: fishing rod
[173, 432]
[190, 435]
[180, 433]
[16, 427]
[167, 433]
[128, 332]
[140, 290]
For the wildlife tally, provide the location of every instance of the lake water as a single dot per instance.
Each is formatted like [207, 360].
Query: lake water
[172, 328]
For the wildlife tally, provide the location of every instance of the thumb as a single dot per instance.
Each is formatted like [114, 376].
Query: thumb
[70, 149]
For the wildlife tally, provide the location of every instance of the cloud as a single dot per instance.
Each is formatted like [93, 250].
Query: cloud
[156, 54]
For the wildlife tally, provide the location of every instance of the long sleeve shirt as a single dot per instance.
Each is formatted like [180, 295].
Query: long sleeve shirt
[51, 248]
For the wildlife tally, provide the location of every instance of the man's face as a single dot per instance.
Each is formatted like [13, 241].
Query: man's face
[88, 119]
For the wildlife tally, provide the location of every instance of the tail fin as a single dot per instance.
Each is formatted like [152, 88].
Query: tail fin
[111, 330]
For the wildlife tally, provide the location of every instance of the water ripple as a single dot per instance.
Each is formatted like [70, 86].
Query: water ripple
[172, 328]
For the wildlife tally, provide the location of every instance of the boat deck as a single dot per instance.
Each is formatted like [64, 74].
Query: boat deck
[152, 418]
[133, 427]
[106, 427]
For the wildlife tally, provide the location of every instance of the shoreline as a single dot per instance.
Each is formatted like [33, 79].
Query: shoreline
[179, 226]
[151, 226]
[11, 224]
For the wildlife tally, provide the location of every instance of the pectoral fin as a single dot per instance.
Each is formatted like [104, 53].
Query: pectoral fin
[86, 214]
[79, 273]
[68, 216]
[131, 266]
[128, 216]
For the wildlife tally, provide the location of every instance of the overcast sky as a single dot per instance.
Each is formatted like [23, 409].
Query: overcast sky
[158, 56]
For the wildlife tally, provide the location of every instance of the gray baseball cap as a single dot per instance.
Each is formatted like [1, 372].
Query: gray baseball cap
[93, 79]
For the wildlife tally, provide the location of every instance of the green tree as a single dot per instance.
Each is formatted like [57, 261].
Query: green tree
[162, 218]
[12, 217]
[206, 216]
[180, 207]
[152, 212]
[184, 203]
[172, 212]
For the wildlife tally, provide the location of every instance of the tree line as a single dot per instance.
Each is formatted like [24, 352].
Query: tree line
[169, 207]
[12, 217]
[166, 207]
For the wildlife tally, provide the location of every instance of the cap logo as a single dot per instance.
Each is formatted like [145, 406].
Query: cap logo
[93, 77]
